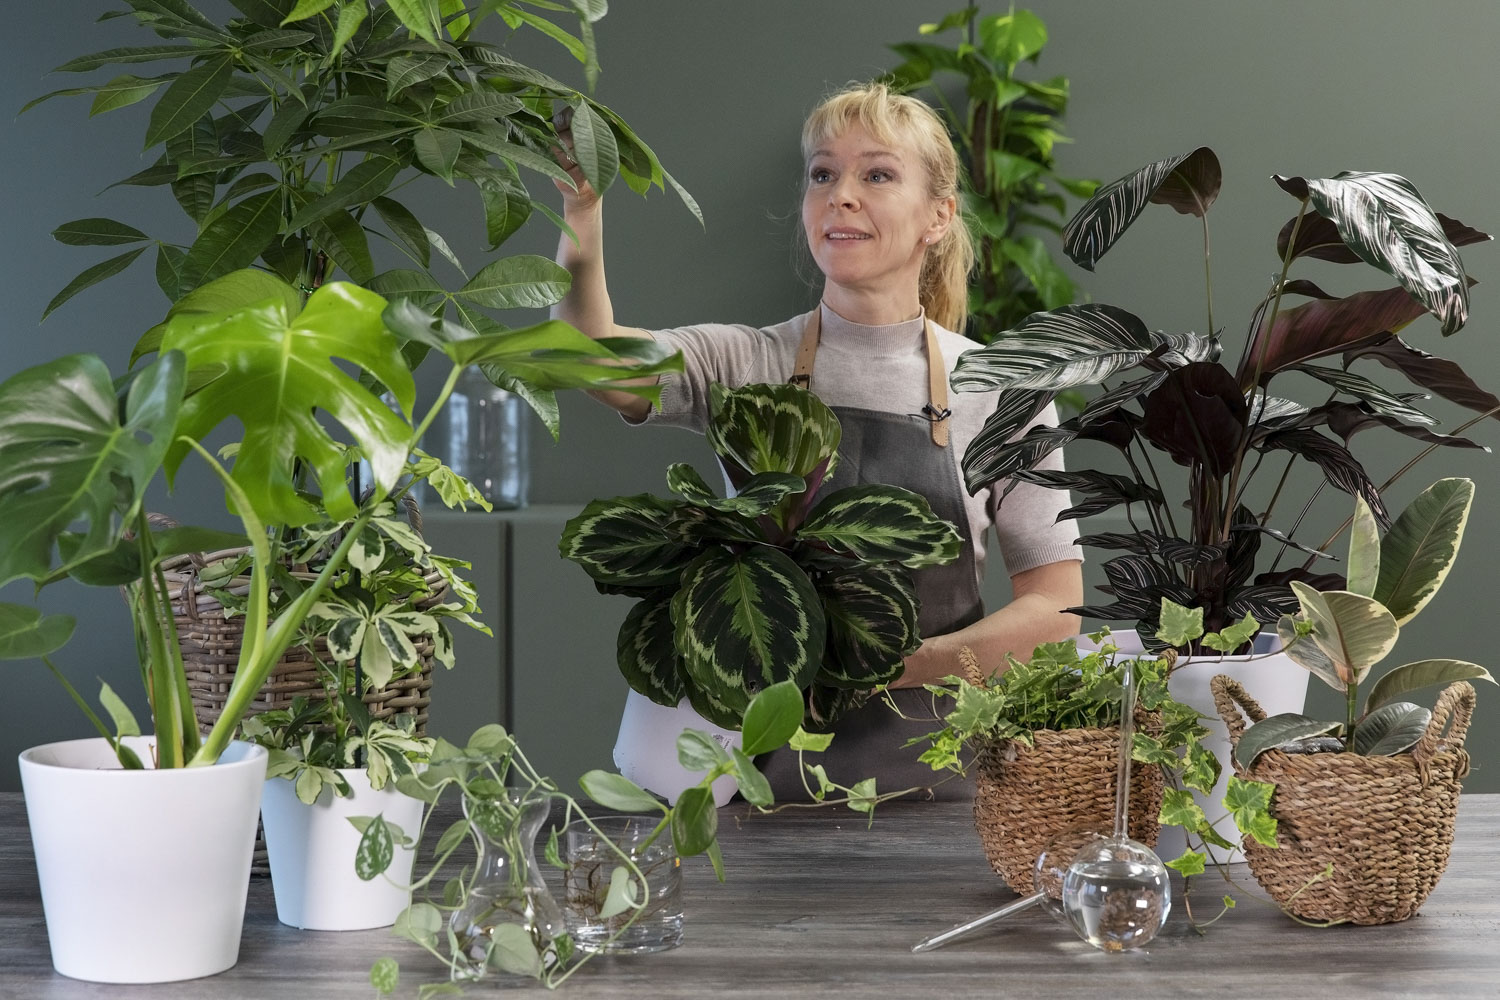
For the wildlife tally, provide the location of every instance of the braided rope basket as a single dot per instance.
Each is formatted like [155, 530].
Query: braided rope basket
[1384, 823]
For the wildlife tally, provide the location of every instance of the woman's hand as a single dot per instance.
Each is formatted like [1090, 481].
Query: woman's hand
[581, 197]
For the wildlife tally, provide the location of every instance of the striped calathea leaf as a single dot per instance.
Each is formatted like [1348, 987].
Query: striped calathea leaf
[871, 614]
[1188, 182]
[1318, 237]
[627, 541]
[1384, 220]
[1066, 347]
[1102, 489]
[876, 523]
[647, 649]
[743, 621]
[757, 496]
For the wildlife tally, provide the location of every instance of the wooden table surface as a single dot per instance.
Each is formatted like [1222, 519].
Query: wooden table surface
[816, 901]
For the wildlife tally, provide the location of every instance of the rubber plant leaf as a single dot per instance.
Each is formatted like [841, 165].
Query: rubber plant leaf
[1391, 729]
[1272, 731]
[1188, 183]
[283, 367]
[1418, 551]
[1355, 631]
[1066, 347]
[1384, 220]
[1423, 673]
[68, 456]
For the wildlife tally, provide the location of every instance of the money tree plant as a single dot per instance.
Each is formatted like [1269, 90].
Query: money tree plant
[779, 581]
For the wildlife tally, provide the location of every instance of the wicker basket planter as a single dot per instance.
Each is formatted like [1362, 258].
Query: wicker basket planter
[1025, 796]
[1384, 823]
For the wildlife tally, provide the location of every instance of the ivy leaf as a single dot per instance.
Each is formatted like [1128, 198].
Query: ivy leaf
[1249, 802]
[1179, 809]
[816, 742]
[1234, 636]
[1191, 863]
[1179, 625]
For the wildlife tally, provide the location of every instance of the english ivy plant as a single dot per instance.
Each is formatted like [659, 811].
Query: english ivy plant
[777, 582]
[1341, 634]
[287, 133]
[1007, 133]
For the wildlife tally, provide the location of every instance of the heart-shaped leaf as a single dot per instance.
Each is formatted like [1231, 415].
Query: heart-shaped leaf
[1392, 729]
[282, 369]
[1419, 550]
[1070, 346]
[694, 821]
[614, 791]
[25, 633]
[1188, 182]
[1197, 416]
[773, 716]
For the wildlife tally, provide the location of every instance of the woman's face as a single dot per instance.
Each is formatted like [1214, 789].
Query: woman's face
[866, 211]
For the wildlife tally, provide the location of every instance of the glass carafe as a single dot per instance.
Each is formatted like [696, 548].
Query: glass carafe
[482, 435]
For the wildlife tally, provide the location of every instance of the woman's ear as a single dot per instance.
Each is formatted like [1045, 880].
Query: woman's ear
[945, 208]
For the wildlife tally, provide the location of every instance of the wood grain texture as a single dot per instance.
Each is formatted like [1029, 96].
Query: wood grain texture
[816, 901]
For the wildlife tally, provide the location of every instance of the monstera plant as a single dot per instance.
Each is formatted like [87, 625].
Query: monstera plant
[78, 450]
[1175, 397]
[777, 582]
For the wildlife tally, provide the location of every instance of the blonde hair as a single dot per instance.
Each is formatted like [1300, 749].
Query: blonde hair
[898, 120]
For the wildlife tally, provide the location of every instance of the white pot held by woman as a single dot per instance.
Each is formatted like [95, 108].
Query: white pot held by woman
[143, 873]
[311, 849]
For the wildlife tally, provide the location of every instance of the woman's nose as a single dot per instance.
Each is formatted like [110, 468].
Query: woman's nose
[843, 194]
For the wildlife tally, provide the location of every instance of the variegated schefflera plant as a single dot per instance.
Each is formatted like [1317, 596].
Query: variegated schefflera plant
[777, 582]
[1222, 423]
[1339, 635]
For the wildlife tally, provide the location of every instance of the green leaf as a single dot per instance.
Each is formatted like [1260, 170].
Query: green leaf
[872, 612]
[376, 850]
[283, 371]
[774, 428]
[613, 791]
[506, 209]
[862, 796]
[621, 894]
[1356, 632]
[1031, 256]
[362, 183]
[594, 147]
[1179, 809]
[130, 54]
[191, 96]
[122, 92]
[1009, 39]
[479, 106]
[92, 276]
[511, 948]
[1234, 636]
[419, 922]
[525, 281]
[1179, 625]
[694, 821]
[573, 45]
[1419, 550]
[753, 785]
[351, 16]
[385, 973]
[1391, 729]
[816, 742]
[417, 16]
[437, 149]
[67, 455]
[773, 717]
[698, 751]
[1249, 802]
[124, 719]
[626, 541]
[406, 227]
[1306, 653]
[307, 8]
[405, 70]
[1413, 676]
[344, 240]
[1363, 573]
[1191, 863]
[25, 633]
[1275, 730]
[234, 239]
[877, 523]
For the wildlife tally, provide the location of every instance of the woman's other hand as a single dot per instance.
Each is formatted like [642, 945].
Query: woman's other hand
[581, 196]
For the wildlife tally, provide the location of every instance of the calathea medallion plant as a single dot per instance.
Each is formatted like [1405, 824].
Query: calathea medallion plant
[1176, 398]
[777, 582]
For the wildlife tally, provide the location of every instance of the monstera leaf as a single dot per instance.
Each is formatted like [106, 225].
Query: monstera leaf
[281, 369]
[1071, 346]
[628, 541]
[1383, 219]
[1419, 550]
[25, 633]
[1188, 182]
[646, 650]
[871, 613]
[66, 455]
[745, 621]
[876, 523]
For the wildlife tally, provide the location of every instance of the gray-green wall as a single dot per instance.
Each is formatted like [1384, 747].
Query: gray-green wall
[719, 90]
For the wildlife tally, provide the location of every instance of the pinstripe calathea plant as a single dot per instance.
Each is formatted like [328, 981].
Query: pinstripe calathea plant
[1175, 396]
[776, 582]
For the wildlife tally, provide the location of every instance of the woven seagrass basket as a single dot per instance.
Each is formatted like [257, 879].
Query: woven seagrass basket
[1025, 796]
[1384, 823]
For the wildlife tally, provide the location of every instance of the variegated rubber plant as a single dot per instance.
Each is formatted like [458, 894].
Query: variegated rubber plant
[1339, 635]
[1221, 423]
[777, 582]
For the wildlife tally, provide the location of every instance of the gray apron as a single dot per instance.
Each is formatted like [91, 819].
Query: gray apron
[909, 451]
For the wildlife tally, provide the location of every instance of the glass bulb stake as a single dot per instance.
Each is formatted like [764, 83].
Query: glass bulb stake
[483, 436]
[1115, 893]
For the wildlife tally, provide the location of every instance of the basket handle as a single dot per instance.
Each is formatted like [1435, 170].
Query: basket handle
[1229, 698]
[1455, 707]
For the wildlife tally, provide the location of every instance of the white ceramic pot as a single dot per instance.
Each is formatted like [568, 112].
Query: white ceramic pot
[143, 873]
[646, 749]
[1274, 680]
[311, 849]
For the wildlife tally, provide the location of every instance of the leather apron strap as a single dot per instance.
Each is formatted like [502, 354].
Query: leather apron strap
[936, 411]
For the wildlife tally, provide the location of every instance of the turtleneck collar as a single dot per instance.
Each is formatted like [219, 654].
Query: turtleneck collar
[895, 338]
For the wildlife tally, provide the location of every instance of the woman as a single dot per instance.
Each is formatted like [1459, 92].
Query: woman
[880, 214]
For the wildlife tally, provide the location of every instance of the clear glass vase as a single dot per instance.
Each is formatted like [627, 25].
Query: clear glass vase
[482, 434]
[509, 921]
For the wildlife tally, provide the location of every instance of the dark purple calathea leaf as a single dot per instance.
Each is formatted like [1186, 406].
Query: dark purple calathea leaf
[985, 463]
[1322, 327]
[1150, 543]
[1118, 429]
[1133, 574]
[1383, 219]
[1267, 604]
[1317, 581]
[993, 449]
[1284, 539]
[1318, 237]
[1379, 399]
[1269, 414]
[1197, 416]
[1103, 489]
[1173, 350]
[1239, 564]
[1348, 419]
[1188, 182]
[1445, 378]
[1339, 467]
[1301, 286]
[1072, 345]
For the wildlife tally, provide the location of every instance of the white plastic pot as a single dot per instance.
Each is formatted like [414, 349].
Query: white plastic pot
[646, 749]
[311, 849]
[143, 873]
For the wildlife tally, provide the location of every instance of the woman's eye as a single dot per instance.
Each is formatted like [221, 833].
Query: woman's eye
[820, 176]
[880, 176]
